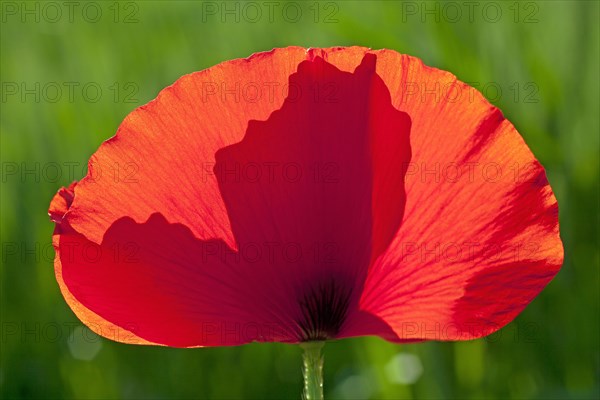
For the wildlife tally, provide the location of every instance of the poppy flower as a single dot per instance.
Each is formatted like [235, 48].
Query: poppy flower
[303, 195]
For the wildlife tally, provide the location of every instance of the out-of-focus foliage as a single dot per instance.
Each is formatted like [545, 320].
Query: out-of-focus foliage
[537, 61]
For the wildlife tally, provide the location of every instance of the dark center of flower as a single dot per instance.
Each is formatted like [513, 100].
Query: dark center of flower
[324, 308]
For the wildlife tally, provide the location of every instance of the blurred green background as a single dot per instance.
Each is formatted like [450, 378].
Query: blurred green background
[544, 58]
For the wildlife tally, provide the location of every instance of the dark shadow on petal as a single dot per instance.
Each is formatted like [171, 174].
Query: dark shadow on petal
[158, 281]
[324, 176]
[487, 306]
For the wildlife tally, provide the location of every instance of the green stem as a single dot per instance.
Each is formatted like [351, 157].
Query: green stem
[312, 370]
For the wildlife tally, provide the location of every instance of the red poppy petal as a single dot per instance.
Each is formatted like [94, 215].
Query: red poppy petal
[479, 238]
[328, 130]
[161, 161]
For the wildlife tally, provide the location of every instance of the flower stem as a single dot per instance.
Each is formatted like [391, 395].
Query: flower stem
[312, 370]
